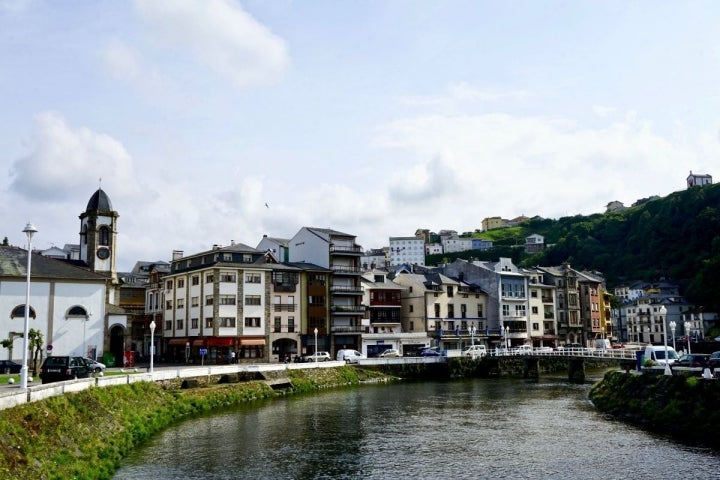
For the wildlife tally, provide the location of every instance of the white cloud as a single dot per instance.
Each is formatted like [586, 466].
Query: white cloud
[126, 64]
[219, 34]
[64, 159]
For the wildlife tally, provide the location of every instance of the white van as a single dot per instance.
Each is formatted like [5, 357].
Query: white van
[656, 353]
[475, 351]
[349, 356]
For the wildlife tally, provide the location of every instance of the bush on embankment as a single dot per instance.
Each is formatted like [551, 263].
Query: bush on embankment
[85, 435]
[686, 408]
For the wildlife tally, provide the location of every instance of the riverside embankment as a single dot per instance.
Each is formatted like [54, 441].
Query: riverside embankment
[683, 407]
[84, 435]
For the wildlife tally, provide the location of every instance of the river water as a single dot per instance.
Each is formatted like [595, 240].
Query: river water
[470, 429]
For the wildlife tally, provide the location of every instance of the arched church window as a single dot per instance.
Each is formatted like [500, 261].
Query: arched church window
[104, 236]
[77, 311]
[84, 235]
[19, 312]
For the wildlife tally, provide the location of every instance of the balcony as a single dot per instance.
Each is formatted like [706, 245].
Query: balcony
[347, 309]
[344, 270]
[284, 307]
[285, 329]
[347, 329]
[346, 250]
[547, 299]
[348, 290]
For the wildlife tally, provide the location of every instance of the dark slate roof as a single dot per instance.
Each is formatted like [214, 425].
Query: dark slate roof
[13, 264]
[99, 202]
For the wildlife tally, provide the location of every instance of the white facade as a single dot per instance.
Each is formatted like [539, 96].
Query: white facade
[70, 313]
[457, 244]
[407, 251]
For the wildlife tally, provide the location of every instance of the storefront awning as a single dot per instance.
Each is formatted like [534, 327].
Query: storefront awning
[252, 341]
[220, 341]
[198, 342]
[178, 341]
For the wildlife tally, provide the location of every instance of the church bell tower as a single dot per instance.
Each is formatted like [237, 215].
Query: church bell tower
[98, 235]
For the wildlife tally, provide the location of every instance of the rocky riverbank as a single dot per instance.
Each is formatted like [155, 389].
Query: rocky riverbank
[686, 408]
[85, 435]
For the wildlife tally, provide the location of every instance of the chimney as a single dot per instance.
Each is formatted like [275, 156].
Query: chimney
[177, 254]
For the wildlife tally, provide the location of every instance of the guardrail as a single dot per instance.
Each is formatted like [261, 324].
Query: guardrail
[11, 395]
[620, 354]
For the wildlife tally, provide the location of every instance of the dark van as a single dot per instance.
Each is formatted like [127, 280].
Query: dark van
[59, 368]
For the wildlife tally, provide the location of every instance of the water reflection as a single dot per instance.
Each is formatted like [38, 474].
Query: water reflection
[462, 430]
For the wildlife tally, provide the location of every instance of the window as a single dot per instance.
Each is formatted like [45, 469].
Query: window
[291, 324]
[195, 280]
[506, 310]
[227, 299]
[193, 323]
[449, 291]
[227, 277]
[252, 321]
[208, 300]
[168, 324]
[247, 258]
[480, 310]
[194, 301]
[180, 303]
[451, 311]
[209, 278]
[411, 308]
[208, 322]
[519, 310]
[535, 310]
[168, 285]
[104, 236]
[253, 300]
[252, 278]
[536, 326]
[277, 322]
[227, 257]
[168, 304]
[181, 283]
[437, 309]
[533, 293]
[227, 322]
[179, 324]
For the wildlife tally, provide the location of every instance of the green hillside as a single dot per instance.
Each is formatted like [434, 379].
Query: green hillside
[676, 237]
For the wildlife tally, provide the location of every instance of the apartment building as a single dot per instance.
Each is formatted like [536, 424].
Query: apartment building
[240, 301]
[543, 329]
[451, 312]
[590, 288]
[340, 254]
[507, 304]
[567, 302]
[407, 251]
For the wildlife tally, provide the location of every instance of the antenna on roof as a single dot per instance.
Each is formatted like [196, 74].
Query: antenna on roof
[100, 183]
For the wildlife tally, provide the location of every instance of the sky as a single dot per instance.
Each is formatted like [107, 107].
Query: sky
[212, 121]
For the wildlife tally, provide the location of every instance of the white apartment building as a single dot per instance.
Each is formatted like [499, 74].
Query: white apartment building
[407, 251]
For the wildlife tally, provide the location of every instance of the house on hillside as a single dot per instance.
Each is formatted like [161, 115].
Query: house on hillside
[534, 243]
[698, 180]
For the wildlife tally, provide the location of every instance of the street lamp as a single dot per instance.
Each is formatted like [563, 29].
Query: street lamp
[472, 335]
[687, 334]
[152, 344]
[29, 231]
[663, 313]
[672, 329]
[316, 359]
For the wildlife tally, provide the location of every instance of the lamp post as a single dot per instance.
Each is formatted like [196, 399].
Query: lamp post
[507, 340]
[152, 345]
[316, 359]
[472, 335]
[687, 334]
[672, 329]
[29, 231]
[663, 314]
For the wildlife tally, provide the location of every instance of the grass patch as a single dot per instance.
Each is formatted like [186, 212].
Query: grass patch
[85, 435]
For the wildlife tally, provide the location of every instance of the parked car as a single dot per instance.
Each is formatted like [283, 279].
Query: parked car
[59, 368]
[320, 356]
[694, 360]
[390, 352]
[523, 350]
[430, 352]
[95, 365]
[656, 353]
[349, 356]
[714, 360]
[8, 366]
[475, 351]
